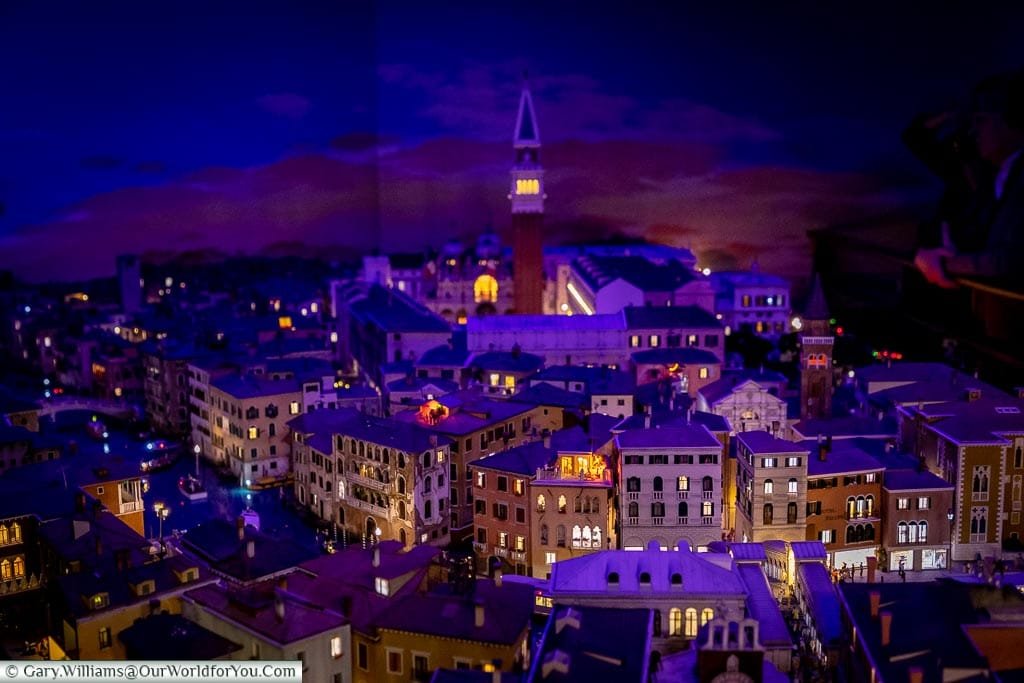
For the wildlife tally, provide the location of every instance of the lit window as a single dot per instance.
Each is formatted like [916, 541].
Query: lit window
[704, 373]
[495, 378]
[706, 615]
[924, 502]
[903, 504]
[634, 341]
[254, 432]
[654, 341]
[691, 623]
[481, 480]
[527, 186]
[519, 486]
[675, 622]
[485, 289]
[769, 486]
[550, 558]
[293, 408]
[793, 486]
[336, 647]
[382, 586]
[510, 382]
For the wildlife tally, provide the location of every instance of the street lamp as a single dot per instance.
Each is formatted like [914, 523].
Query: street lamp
[162, 513]
[950, 515]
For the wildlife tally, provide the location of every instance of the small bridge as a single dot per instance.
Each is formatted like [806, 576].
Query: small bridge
[119, 409]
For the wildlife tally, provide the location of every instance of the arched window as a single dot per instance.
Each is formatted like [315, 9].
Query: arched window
[849, 534]
[767, 514]
[769, 486]
[691, 622]
[401, 460]
[4, 537]
[794, 487]
[560, 536]
[15, 533]
[684, 510]
[912, 532]
[922, 532]
[386, 457]
[675, 622]
[577, 505]
[577, 536]
[401, 485]
[427, 460]
[426, 484]
[706, 615]
[562, 505]
[683, 483]
[543, 534]
[586, 537]
[791, 513]
[542, 503]
[485, 289]
[861, 506]
[656, 484]
[869, 505]
[901, 532]
[657, 509]
[851, 507]
[5, 570]
[707, 484]
[401, 509]
[427, 505]
[633, 509]
[595, 539]
[657, 622]
[595, 505]
[402, 536]
[869, 532]
[633, 484]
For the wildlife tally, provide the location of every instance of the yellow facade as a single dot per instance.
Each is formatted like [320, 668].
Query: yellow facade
[400, 650]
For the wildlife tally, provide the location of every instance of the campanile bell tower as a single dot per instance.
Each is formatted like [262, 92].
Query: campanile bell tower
[527, 197]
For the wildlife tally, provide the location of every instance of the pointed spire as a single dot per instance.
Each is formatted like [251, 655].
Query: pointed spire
[816, 307]
[526, 133]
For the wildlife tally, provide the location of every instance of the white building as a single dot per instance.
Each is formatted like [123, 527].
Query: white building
[671, 486]
[747, 405]
[754, 300]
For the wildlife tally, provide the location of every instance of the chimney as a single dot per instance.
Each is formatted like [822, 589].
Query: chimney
[876, 600]
[497, 577]
[278, 606]
[478, 614]
[886, 618]
[240, 523]
[822, 451]
[250, 549]
[376, 555]
[915, 675]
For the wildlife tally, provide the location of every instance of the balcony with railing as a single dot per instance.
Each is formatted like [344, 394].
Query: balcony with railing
[682, 521]
[707, 521]
[368, 506]
[632, 495]
[368, 482]
[21, 584]
[131, 506]
[480, 548]
[682, 495]
[658, 521]
[658, 495]
[708, 495]
[632, 521]
[518, 556]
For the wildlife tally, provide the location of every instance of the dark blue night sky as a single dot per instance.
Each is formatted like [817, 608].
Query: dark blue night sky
[158, 127]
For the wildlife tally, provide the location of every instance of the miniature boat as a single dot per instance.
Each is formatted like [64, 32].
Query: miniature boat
[192, 488]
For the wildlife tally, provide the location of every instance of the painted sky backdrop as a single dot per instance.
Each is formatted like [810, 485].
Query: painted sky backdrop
[257, 127]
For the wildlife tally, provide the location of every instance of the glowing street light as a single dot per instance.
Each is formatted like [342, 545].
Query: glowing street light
[162, 513]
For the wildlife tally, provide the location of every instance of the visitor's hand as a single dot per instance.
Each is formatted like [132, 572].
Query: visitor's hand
[929, 262]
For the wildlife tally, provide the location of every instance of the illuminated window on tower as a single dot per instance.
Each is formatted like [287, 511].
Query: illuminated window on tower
[527, 186]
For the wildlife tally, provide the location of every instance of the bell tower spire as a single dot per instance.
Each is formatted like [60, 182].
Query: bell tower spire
[527, 198]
